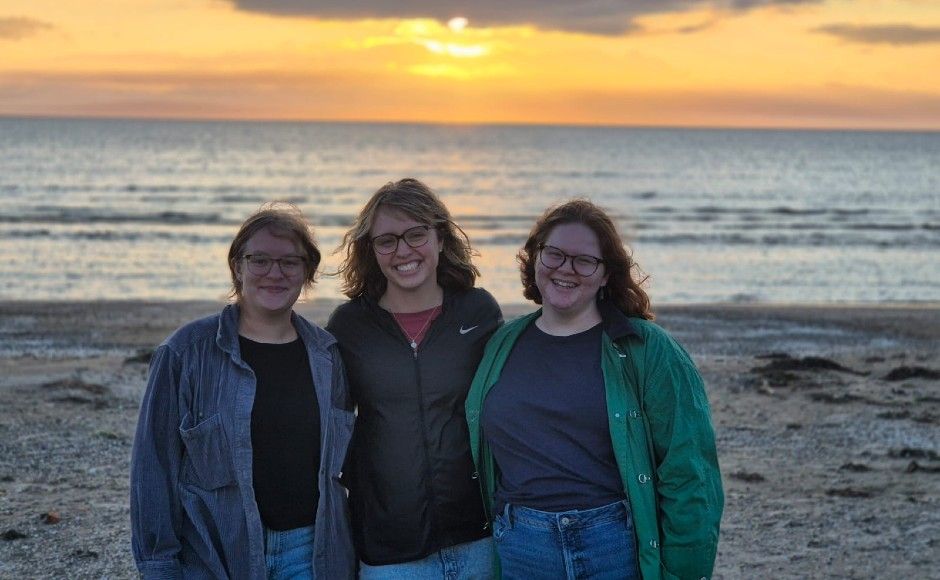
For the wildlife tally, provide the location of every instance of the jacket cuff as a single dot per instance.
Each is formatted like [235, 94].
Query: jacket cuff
[160, 570]
[688, 563]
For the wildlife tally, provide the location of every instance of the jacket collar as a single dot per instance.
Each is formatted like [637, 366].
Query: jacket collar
[227, 335]
[373, 304]
[617, 325]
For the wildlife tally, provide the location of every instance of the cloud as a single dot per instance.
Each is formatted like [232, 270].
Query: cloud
[896, 34]
[18, 27]
[603, 17]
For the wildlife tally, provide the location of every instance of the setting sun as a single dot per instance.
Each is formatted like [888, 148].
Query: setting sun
[830, 63]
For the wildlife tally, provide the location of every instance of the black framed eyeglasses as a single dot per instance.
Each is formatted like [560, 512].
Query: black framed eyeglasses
[583, 265]
[260, 265]
[415, 238]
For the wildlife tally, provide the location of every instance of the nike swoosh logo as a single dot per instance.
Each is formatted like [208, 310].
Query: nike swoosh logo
[466, 330]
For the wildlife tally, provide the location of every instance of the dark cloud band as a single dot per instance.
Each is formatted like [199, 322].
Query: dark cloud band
[606, 17]
[18, 27]
[897, 34]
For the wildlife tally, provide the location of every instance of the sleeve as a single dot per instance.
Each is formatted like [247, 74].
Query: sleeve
[688, 481]
[155, 464]
[342, 396]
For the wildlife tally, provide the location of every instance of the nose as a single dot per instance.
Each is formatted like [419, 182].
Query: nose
[276, 266]
[401, 248]
[569, 262]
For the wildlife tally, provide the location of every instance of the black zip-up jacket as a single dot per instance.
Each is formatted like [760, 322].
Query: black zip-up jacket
[413, 488]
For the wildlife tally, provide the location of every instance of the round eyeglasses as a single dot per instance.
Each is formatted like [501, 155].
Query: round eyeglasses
[553, 258]
[415, 238]
[260, 265]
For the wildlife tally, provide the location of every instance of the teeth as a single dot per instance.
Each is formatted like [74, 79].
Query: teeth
[564, 283]
[409, 267]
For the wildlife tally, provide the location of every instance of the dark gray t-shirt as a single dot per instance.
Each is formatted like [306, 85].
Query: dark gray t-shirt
[546, 422]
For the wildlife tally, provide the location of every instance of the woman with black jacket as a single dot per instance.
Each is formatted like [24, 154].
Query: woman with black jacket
[411, 336]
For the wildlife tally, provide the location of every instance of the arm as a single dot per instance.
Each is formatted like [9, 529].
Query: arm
[155, 465]
[688, 482]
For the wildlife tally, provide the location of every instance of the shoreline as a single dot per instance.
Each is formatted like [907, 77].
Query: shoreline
[825, 416]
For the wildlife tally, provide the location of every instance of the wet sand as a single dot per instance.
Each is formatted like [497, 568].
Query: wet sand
[827, 422]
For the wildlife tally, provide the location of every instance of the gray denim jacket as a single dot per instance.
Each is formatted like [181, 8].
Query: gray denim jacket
[193, 510]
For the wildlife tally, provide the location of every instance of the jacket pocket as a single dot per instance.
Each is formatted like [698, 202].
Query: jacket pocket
[208, 464]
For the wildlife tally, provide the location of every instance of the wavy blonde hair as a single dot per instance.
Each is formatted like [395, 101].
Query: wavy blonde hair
[360, 271]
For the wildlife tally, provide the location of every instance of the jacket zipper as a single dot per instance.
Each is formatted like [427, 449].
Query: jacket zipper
[428, 472]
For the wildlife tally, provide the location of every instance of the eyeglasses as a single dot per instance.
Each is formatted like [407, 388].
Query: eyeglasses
[583, 265]
[260, 265]
[415, 238]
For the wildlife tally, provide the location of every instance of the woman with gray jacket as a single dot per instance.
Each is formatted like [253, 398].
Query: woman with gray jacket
[244, 427]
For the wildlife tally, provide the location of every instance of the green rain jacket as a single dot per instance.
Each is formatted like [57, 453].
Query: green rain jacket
[662, 438]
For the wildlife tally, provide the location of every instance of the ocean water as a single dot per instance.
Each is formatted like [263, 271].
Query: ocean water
[123, 209]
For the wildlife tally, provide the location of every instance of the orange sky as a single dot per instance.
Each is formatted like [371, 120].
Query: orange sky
[740, 63]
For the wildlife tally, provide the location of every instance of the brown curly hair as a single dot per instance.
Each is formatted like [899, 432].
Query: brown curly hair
[624, 276]
[360, 271]
[284, 220]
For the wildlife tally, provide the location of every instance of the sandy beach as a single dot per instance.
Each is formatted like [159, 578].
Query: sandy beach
[826, 417]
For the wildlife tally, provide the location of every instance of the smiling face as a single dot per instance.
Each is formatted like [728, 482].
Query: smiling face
[564, 292]
[272, 293]
[407, 269]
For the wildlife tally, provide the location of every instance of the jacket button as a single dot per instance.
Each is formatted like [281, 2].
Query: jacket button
[475, 475]
[643, 478]
[635, 414]
[617, 415]
[654, 544]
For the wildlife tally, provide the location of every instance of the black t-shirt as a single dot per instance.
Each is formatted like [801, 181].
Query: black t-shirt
[546, 422]
[285, 433]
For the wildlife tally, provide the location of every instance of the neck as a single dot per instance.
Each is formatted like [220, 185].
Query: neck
[273, 327]
[396, 300]
[565, 324]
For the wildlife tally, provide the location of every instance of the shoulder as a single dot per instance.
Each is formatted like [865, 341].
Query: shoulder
[349, 319]
[649, 330]
[514, 327]
[349, 310]
[475, 299]
[192, 333]
[320, 337]
[657, 347]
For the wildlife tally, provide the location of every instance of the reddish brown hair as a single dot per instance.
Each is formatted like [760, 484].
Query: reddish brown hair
[624, 276]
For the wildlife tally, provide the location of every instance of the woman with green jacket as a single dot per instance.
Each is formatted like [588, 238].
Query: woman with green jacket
[589, 424]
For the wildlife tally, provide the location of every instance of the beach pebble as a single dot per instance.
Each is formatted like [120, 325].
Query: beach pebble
[748, 477]
[11, 534]
[50, 517]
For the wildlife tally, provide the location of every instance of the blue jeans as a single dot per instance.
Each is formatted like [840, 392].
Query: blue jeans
[470, 561]
[595, 543]
[289, 554]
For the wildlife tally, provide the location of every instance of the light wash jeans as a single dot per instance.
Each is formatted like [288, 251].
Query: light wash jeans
[467, 561]
[289, 554]
[596, 543]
